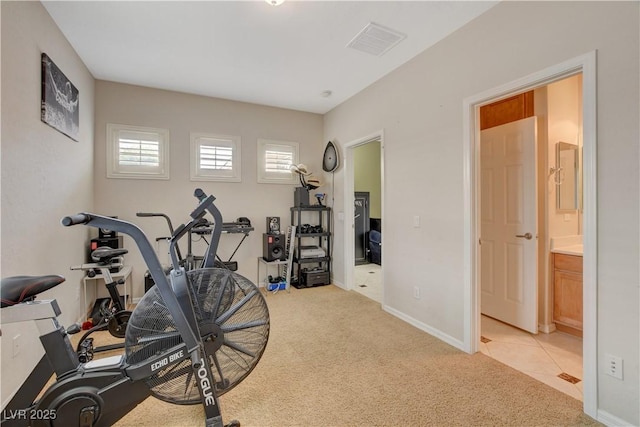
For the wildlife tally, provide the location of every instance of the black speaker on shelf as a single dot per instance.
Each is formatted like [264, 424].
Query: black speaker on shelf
[273, 225]
[273, 247]
[300, 197]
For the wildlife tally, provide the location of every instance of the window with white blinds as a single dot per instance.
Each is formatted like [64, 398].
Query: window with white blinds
[137, 152]
[215, 158]
[274, 161]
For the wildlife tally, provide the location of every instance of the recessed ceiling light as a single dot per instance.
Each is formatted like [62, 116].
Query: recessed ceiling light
[376, 39]
[326, 93]
[275, 2]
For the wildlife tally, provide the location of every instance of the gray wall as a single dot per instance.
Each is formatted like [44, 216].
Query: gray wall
[183, 113]
[419, 106]
[45, 176]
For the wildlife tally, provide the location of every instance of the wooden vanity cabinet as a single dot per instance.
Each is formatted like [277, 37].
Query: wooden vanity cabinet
[567, 293]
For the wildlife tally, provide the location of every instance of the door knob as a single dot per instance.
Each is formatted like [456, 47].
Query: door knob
[527, 236]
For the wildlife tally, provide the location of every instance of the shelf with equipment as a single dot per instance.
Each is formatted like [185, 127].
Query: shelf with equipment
[283, 266]
[312, 253]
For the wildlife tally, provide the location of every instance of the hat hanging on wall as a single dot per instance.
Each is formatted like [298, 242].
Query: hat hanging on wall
[307, 180]
[300, 169]
[312, 183]
[330, 158]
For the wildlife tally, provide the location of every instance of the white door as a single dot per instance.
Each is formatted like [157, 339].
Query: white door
[508, 244]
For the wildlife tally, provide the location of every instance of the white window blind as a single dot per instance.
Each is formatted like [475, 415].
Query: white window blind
[278, 161]
[215, 157]
[138, 149]
[137, 152]
[274, 161]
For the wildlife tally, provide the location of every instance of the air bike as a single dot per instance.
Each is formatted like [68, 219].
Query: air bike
[191, 338]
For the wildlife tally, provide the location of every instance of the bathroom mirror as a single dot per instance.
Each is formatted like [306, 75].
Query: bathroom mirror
[567, 176]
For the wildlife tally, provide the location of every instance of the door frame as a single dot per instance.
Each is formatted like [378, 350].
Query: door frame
[585, 64]
[349, 200]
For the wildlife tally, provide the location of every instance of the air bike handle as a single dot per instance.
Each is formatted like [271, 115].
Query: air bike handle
[201, 194]
[206, 202]
[81, 218]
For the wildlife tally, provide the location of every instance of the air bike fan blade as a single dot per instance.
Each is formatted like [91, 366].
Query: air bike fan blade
[330, 158]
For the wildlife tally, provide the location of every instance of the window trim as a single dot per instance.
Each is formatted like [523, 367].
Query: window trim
[115, 170]
[263, 176]
[194, 167]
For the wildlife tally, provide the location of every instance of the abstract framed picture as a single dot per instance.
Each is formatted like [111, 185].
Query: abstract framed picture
[59, 106]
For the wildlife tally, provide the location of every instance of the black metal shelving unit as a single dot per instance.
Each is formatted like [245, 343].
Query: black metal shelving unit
[312, 271]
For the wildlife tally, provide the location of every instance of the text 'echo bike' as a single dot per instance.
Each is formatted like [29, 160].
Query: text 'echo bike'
[192, 337]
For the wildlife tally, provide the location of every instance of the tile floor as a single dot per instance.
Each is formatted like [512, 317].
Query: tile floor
[368, 281]
[545, 357]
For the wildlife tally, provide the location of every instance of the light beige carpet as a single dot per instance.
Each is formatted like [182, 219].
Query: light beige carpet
[334, 358]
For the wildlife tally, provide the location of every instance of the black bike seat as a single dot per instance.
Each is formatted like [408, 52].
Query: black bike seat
[104, 254]
[16, 289]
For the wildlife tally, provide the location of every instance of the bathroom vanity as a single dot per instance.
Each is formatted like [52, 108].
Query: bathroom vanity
[567, 289]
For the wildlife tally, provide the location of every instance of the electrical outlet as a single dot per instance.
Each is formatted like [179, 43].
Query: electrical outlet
[416, 292]
[613, 366]
[17, 343]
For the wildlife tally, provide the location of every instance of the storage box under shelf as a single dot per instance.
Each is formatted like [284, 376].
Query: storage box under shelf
[310, 279]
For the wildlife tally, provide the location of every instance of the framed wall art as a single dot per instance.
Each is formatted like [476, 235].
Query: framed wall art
[59, 106]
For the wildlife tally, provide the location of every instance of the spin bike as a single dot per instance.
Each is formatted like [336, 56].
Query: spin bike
[203, 329]
[113, 315]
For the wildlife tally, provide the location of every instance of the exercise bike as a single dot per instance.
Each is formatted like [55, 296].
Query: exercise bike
[112, 314]
[192, 337]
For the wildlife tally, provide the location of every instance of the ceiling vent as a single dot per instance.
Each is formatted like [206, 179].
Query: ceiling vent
[376, 39]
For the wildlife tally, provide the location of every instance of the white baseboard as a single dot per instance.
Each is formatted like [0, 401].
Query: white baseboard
[426, 328]
[611, 420]
[340, 285]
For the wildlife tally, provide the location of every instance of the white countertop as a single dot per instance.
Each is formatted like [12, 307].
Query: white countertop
[568, 250]
[569, 245]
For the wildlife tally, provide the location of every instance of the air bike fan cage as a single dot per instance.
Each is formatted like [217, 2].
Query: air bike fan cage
[234, 324]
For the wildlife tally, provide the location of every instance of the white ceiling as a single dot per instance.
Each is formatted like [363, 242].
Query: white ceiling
[284, 56]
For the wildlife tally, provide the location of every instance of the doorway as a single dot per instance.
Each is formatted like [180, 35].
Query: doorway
[364, 191]
[585, 64]
[362, 227]
[519, 217]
